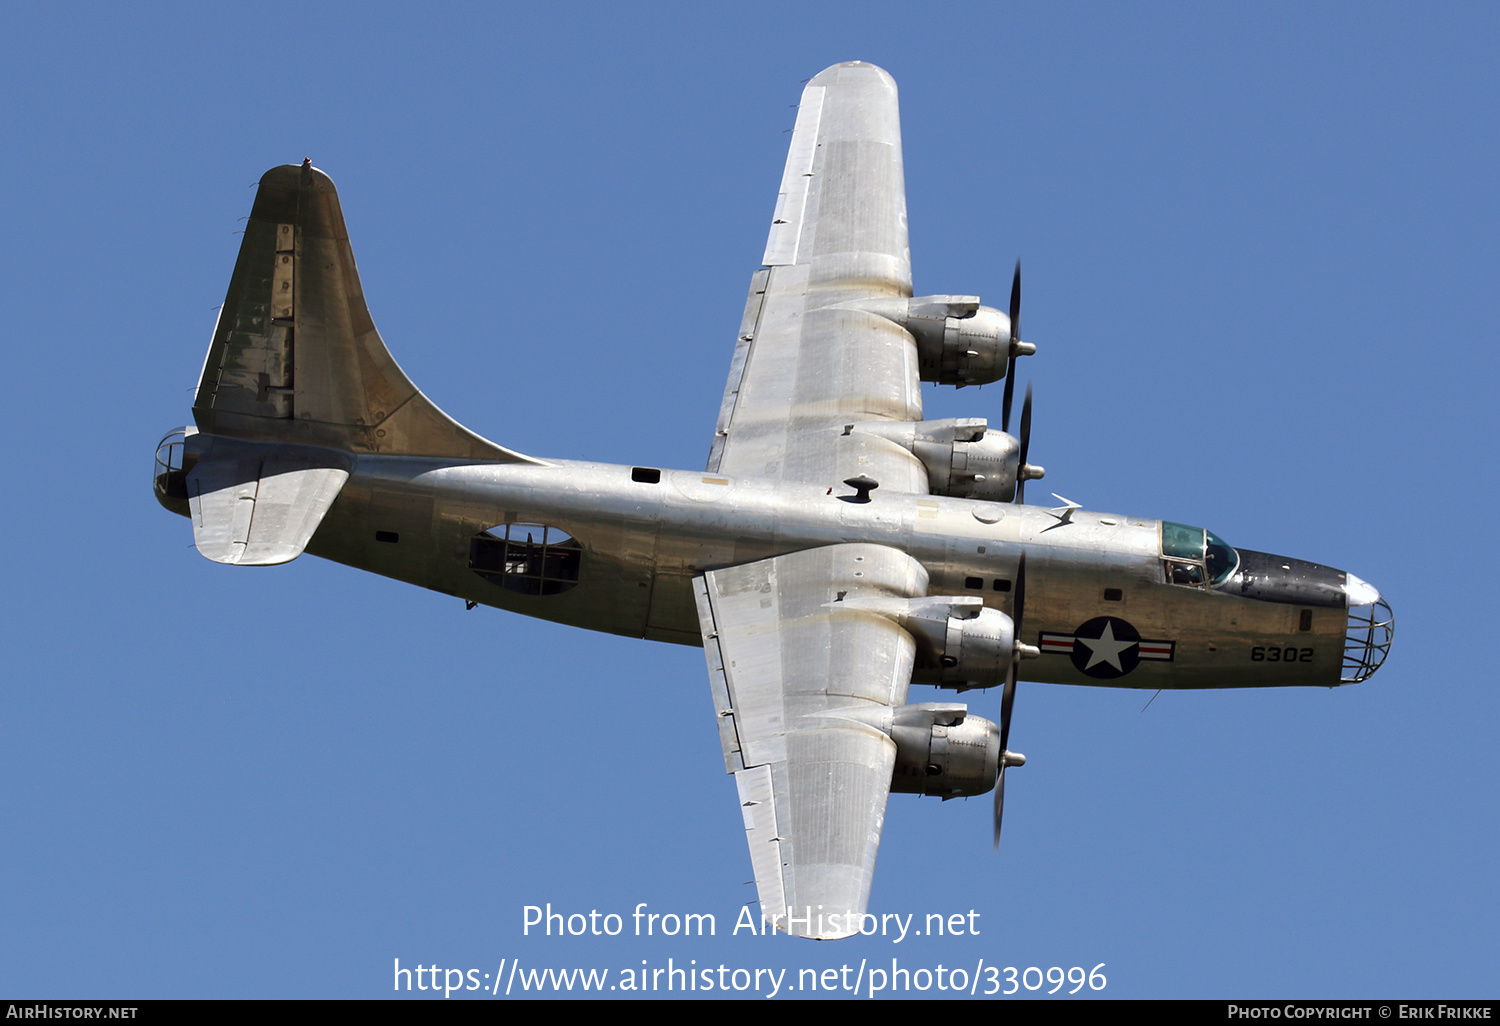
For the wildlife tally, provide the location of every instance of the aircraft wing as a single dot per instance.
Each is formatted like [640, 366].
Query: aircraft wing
[803, 679]
[809, 362]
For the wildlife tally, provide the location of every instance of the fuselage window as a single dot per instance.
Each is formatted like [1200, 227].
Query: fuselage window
[532, 559]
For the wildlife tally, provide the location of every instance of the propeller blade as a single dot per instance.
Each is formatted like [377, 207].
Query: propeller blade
[1010, 389]
[1025, 448]
[999, 803]
[1015, 335]
[1008, 697]
[1007, 700]
[1015, 305]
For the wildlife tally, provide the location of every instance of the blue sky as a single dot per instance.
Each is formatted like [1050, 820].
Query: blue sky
[1260, 259]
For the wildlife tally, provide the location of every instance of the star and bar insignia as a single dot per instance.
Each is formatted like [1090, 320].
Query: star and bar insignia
[1106, 647]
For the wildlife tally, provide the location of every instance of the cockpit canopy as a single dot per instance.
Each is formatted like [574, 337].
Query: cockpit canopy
[1195, 557]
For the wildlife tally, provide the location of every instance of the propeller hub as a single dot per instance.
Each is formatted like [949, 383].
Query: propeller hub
[1013, 758]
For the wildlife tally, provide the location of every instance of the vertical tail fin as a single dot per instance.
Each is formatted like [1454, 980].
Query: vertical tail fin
[295, 356]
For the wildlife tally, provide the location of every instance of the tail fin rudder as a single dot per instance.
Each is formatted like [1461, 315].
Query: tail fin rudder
[295, 356]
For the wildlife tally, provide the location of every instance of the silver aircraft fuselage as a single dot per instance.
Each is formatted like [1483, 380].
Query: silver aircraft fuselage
[645, 533]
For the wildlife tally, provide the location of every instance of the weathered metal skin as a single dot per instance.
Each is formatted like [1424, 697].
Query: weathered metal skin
[642, 543]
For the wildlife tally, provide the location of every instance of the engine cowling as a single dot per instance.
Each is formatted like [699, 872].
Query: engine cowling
[943, 751]
[969, 647]
[962, 456]
[959, 341]
[960, 643]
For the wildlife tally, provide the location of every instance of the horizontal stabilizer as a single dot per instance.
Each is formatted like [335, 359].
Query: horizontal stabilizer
[257, 505]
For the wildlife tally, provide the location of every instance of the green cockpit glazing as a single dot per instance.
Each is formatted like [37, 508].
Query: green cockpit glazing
[1180, 542]
[1221, 559]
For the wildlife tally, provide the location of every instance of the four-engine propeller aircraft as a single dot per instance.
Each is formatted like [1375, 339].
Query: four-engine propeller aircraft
[837, 548]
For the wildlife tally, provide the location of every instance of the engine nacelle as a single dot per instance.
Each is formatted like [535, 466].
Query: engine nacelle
[943, 751]
[963, 457]
[968, 646]
[960, 643]
[959, 342]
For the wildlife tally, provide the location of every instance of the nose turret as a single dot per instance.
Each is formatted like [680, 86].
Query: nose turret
[1371, 625]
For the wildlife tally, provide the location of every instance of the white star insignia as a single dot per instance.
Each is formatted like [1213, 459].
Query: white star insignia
[1105, 649]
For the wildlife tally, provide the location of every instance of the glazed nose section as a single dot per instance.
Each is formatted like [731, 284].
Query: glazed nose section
[1367, 637]
[1361, 593]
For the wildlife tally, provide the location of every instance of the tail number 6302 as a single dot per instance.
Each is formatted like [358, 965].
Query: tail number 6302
[1290, 654]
